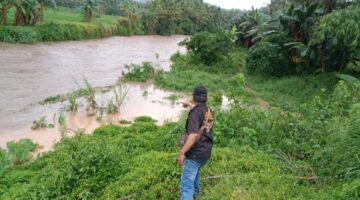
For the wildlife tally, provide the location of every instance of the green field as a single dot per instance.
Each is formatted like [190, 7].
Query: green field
[67, 15]
[66, 24]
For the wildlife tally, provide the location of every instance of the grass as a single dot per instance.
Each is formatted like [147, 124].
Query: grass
[286, 91]
[105, 165]
[66, 24]
[67, 15]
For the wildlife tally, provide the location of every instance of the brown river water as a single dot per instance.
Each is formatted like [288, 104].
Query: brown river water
[30, 73]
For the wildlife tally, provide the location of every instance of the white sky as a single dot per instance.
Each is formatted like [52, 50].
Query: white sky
[240, 4]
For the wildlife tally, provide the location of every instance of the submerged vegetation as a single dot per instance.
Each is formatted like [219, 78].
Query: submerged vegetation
[139, 73]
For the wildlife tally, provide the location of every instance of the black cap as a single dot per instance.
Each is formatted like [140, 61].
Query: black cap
[200, 94]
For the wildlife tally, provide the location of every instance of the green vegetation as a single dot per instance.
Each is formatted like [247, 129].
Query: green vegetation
[17, 153]
[301, 39]
[65, 24]
[140, 73]
[304, 146]
[73, 106]
[125, 122]
[39, 123]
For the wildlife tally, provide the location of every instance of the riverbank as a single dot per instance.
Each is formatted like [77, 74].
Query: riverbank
[66, 24]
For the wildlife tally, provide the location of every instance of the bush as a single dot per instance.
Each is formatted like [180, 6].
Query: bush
[18, 34]
[78, 168]
[267, 58]
[210, 48]
[140, 73]
[20, 152]
[3, 160]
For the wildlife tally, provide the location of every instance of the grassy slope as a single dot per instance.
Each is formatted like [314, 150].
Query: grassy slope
[292, 90]
[139, 163]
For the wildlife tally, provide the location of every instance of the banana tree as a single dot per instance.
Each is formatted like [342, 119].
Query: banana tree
[5, 6]
[253, 23]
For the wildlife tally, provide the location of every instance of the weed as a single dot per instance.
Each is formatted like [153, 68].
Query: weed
[120, 94]
[172, 98]
[89, 93]
[125, 122]
[111, 108]
[61, 119]
[39, 123]
[140, 73]
[73, 106]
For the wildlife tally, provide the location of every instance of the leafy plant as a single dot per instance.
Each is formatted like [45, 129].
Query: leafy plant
[210, 48]
[20, 152]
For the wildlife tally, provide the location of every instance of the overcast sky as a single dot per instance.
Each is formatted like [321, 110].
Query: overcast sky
[241, 4]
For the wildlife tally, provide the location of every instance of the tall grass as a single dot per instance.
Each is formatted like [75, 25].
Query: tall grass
[66, 24]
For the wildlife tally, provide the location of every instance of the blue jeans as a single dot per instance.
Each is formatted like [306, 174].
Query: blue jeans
[190, 179]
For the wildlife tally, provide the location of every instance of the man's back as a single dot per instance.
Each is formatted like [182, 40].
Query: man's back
[202, 149]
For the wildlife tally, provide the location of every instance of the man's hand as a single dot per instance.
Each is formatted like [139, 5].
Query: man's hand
[180, 160]
[187, 105]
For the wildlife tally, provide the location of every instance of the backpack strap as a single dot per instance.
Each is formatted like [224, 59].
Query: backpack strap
[207, 124]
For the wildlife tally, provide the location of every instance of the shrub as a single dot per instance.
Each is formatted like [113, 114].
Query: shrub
[210, 48]
[20, 152]
[140, 73]
[267, 58]
[4, 161]
[78, 168]
[18, 34]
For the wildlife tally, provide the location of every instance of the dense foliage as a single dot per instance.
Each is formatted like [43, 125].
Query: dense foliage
[17, 153]
[308, 36]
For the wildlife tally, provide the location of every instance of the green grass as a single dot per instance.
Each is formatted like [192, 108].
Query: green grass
[66, 24]
[290, 90]
[67, 15]
[139, 162]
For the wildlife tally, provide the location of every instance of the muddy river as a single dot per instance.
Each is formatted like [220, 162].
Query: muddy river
[30, 73]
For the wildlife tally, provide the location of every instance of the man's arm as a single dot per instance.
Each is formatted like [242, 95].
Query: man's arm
[190, 141]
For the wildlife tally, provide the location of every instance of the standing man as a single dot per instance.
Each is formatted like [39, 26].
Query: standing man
[197, 147]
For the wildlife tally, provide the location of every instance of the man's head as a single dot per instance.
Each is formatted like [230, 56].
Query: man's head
[200, 94]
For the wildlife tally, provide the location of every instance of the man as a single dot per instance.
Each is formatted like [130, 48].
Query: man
[197, 147]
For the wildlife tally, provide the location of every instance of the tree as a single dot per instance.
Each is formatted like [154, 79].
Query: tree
[252, 25]
[28, 12]
[298, 21]
[337, 38]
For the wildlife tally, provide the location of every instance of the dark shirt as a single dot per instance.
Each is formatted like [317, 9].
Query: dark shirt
[202, 149]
